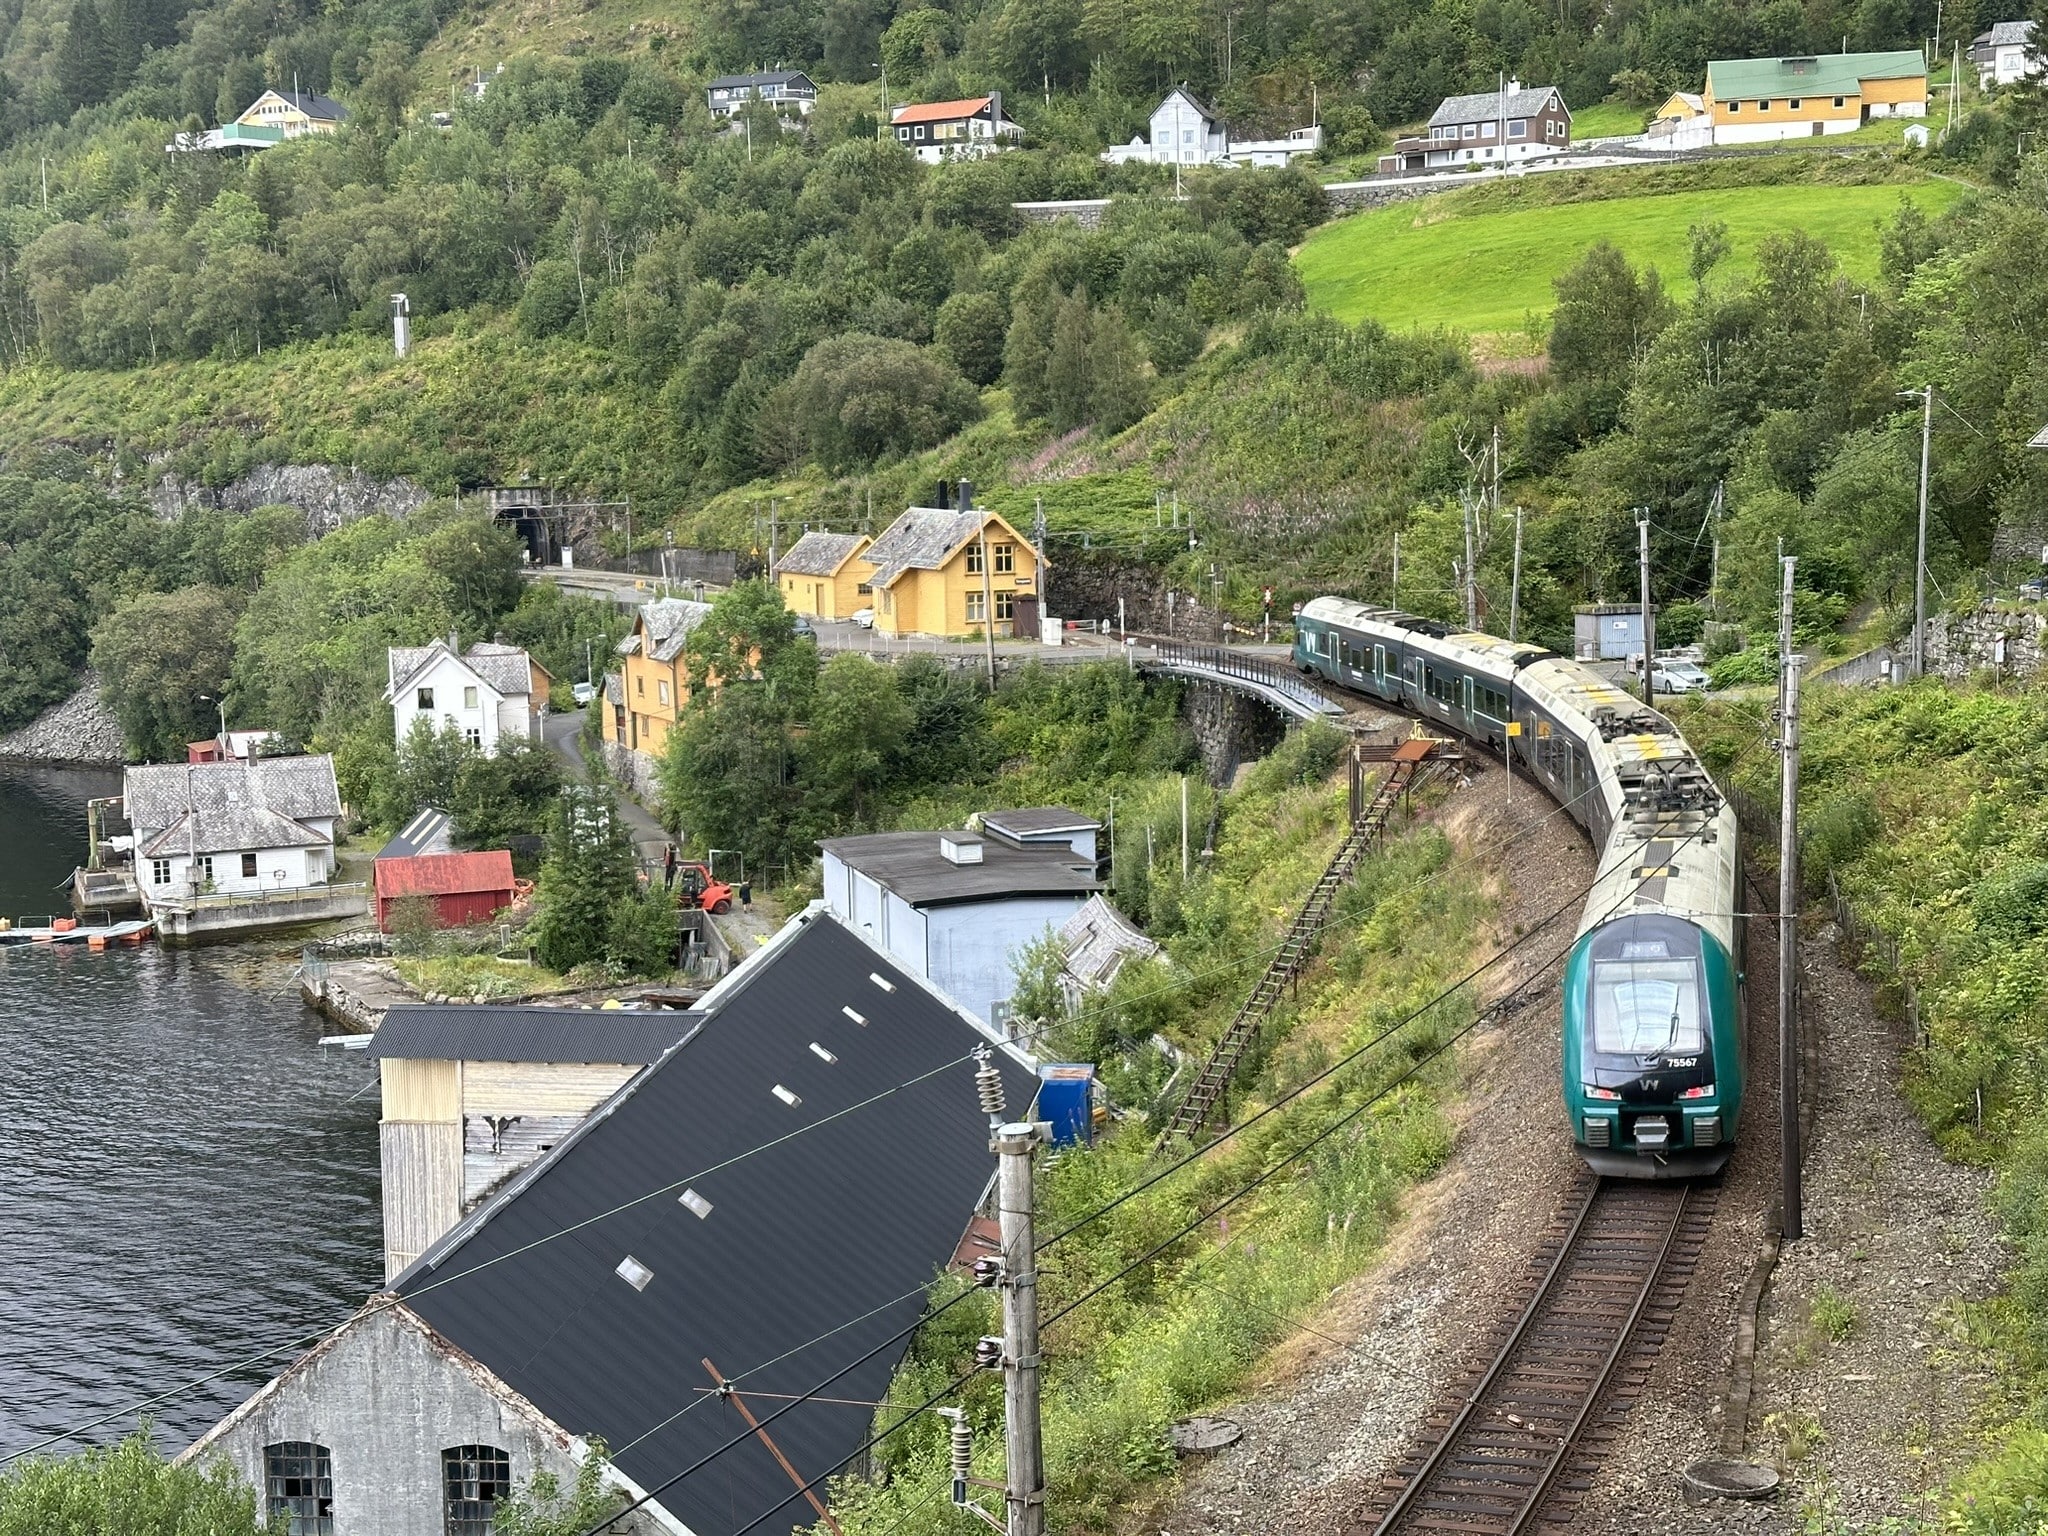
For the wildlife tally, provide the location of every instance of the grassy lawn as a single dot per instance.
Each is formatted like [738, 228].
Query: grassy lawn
[1609, 120]
[1443, 261]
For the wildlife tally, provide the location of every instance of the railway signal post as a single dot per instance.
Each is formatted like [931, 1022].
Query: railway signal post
[1649, 633]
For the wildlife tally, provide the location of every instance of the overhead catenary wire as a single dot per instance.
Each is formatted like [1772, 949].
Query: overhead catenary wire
[1151, 1253]
[308, 1340]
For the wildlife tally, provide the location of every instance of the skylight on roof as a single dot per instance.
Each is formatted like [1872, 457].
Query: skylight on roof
[786, 1096]
[695, 1203]
[859, 1018]
[881, 981]
[822, 1054]
[634, 1273]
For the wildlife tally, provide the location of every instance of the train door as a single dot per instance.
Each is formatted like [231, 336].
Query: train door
[1379, 671]
[1466, 720]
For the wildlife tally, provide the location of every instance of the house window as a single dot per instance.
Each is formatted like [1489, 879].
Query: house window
[974, 559]
[976, 611]
[298, 1486]
[865, 589]
[1006, 606]
[1838, 101]
[661, 692]
[1486, 130]
[248, 866]
[1763, 106]
[1519, 128]
[424, 699]
[1793, 103]
[1471, 130]
[159, 871]
[903, 134]
[475, 737]
[1734, 106]
[1006, 559]
[476, 1478]
[469, 698]
[640, 686]
[206, 868]
[920, 130]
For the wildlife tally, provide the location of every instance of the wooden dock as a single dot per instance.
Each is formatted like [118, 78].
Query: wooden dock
[93, 931]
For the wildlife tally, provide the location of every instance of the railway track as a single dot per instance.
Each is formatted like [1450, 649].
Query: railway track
[1513, 1446]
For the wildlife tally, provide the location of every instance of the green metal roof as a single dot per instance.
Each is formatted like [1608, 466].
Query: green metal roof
[1827, 74]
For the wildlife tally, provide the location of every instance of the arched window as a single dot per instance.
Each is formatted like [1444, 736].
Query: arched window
[298, 1485]
[476, 1478]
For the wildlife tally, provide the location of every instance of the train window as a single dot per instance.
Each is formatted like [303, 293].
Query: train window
[1646, 1008]
[1491, 702]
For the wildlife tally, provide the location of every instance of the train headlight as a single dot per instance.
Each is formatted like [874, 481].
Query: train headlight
[1595, 1092]
[1703, 1091]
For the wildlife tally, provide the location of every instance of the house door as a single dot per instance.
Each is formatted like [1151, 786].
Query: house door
[1024, 616]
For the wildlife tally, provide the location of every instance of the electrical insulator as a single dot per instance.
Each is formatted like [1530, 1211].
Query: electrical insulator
[963, 1449]
[988, 1352]
[988, 1086]
[987, 1271]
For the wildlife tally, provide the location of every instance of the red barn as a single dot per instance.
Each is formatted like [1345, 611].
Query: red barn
[466, 888]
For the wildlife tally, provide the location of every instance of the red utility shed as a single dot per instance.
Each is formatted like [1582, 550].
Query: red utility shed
[466, 888]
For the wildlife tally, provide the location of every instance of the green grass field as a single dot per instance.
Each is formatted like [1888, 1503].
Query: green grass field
[1609, 120]
[1459, 261]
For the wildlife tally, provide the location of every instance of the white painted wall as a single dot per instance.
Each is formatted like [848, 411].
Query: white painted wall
[1771, 133]
[277, 869]
[464, 700]
[386, 1403]
[974, 947]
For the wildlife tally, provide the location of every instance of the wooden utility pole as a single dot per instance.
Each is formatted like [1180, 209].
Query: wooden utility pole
[1024, 1477]
[1926, 393]
[1792, 1223]
[1515, 586]
[1184, 826]
[774, 533]
[1471, 589]
[1394, 601]
[988, 608]
[1649, 625]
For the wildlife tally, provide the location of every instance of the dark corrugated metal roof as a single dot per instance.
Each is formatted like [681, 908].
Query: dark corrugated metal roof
[427, 832]
[800, 1237]
[1039, 819]
[910, 864]
[481, 1032]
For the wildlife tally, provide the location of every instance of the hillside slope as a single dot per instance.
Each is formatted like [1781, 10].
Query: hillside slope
[1484, 259]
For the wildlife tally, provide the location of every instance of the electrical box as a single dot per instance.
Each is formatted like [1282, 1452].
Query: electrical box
[1066, 1099]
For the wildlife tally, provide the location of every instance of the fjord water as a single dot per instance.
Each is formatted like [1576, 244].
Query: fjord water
[185, 1179]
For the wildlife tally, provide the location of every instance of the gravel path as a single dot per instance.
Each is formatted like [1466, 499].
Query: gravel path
[1901, 1235]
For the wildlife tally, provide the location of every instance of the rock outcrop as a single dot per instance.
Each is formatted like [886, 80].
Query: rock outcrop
[327, 495]
[79, 730]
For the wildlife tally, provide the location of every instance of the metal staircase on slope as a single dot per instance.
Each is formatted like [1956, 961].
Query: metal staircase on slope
[1407, 766]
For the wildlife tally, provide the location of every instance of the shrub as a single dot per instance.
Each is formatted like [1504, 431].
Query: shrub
[2012, 906]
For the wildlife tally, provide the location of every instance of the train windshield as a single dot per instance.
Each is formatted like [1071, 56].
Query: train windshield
[1646, 1008]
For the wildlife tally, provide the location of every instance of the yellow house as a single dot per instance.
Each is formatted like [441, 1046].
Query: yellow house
[1755, 100]
[940, 572]
[826, 575]
[294, 113]
[653, 677]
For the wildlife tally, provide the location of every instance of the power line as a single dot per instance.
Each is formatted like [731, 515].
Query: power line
[1151, 1253]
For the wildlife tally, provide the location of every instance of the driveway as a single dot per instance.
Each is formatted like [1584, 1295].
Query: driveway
[564, 733]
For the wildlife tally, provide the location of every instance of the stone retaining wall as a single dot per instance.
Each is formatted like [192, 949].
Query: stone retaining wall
[79, 730]
[329, 496]
[2005, 637]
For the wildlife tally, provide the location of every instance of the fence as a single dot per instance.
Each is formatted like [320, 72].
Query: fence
[285, 897]
[1218, 661]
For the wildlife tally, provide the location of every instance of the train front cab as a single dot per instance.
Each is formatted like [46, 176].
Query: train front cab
[1652, 1048]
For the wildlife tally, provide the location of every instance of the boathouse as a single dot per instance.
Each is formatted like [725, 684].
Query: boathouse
[465, 889]
[823, 1104]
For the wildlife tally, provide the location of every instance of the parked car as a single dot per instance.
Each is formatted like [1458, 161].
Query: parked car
[804, 627]
[2034, 591]
[1670, 676]
[863, 618]
[584, 692]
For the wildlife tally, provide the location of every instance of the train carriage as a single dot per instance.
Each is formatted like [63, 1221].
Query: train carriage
[1653, 1034]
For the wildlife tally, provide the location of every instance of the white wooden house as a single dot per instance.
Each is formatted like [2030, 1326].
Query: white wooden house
[2003, 55]
[1183, 131]
[261, 826]
[487, 692]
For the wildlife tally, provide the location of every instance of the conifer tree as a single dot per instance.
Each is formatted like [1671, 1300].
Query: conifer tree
[85, 63]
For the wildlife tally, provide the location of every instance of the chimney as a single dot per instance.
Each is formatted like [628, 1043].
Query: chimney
[995, 109]
[455, 641]
[1514, 85]
[945, 495]
[959, 847]
[966, 495]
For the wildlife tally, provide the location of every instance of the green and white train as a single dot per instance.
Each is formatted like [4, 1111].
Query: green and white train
[1654, 1037]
